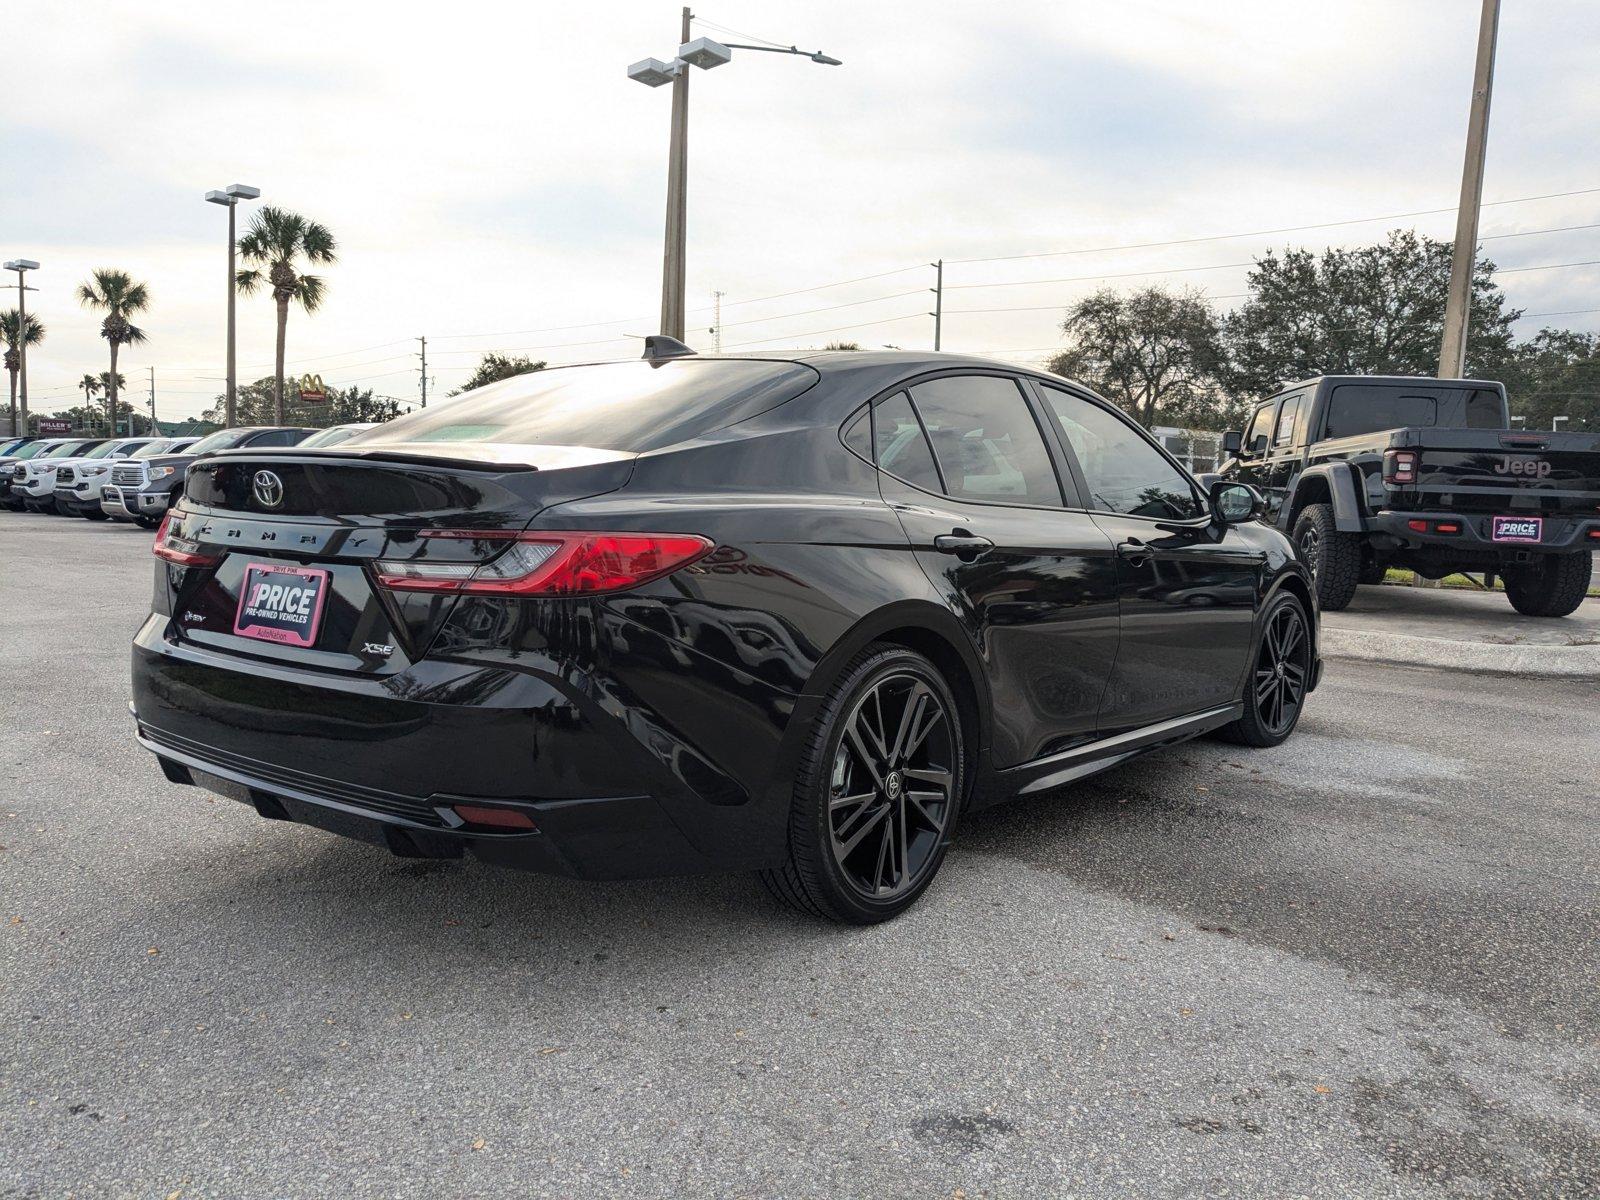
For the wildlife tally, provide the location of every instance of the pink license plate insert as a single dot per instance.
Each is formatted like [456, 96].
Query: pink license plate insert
[281, 604]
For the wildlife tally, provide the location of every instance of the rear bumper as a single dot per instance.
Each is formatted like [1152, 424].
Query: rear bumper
[1561, 533]
[385, 758]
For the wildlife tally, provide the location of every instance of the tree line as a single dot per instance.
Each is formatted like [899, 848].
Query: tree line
[1167, 357]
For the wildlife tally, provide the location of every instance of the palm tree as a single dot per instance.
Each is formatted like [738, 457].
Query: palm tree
[92, 387]
[14, 337]
[275, 239]
[116, 294]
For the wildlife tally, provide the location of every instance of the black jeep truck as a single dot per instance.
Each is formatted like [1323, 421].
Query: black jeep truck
[1371, 471]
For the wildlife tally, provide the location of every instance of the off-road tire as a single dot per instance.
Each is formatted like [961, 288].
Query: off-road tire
[1552, 586]
[811, 879]
[1334, 557]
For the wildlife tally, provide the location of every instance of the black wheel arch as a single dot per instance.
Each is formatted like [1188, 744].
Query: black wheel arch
[1326, 483]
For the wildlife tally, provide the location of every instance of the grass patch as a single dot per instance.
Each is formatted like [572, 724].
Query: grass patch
[1458, 582]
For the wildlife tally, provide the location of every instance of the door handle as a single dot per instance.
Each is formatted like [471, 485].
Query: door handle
[962, 542]
[1135, 551]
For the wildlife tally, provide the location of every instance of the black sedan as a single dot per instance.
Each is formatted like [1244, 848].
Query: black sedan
[792, 614]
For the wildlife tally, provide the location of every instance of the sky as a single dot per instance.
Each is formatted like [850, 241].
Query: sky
[496, 183]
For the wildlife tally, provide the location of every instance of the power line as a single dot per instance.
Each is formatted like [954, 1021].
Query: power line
[1224, 237]
[835, 329]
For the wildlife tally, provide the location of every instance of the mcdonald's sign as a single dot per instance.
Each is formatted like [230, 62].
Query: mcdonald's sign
[311, 389]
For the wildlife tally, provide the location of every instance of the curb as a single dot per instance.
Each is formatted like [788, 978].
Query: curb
[1446, 654]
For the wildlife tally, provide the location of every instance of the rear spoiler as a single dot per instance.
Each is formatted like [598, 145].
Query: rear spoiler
[487, 456]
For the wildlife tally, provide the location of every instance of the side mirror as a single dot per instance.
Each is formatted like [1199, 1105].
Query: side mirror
[1234, 503]
[1232, 442]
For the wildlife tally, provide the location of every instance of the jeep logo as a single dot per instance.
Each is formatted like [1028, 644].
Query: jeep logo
[1535, 467]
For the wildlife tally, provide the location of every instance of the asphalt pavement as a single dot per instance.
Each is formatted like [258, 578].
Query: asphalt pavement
[1363, 963]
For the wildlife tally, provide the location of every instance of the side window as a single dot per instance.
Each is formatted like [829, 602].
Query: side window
[902, 446]
[1260, 426]
[857, 436]
[1125, 473]
[278, 437]
[988, 445]
[1286, 418]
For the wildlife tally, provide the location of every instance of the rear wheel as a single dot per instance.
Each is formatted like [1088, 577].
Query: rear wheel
[1334, 557]
[1551, 586]
[877, 793]
[1279, 676]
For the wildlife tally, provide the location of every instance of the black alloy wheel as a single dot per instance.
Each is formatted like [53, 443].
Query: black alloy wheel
[1276, 691]
[1283, 668]
[878, 791]
[890, 790]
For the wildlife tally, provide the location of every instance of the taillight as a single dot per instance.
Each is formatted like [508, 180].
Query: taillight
[1400, 466]
[548, 564]
[176, 548]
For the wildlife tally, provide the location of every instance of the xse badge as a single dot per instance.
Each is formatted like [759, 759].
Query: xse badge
[281, 604]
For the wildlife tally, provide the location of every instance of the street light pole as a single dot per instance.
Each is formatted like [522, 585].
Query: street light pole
[1458, 305]
[22, 266]
[652, 72]
[673, 266]
[229, 197]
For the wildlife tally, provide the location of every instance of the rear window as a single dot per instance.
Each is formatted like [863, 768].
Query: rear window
[634, 406]
[1356, 408]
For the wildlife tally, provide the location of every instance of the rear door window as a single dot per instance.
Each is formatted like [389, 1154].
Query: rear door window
[986, 440]
[1288, 412]
[901, 444]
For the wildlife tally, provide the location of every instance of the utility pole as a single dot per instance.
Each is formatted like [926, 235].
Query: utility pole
[938, 301]
[716, 328]
[154, 429]
[424, 342]
[673, 270]
[1453, 346]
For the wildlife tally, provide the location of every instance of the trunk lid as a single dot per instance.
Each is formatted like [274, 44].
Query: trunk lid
[313, 525]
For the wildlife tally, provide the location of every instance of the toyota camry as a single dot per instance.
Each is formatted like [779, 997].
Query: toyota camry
[793, 614]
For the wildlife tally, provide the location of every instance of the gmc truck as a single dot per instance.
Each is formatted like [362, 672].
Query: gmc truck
[1366, 472]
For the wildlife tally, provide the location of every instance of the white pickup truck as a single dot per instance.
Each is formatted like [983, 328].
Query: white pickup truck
[81, 487]
[79, 481]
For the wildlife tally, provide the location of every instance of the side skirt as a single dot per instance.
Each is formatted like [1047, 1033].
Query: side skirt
[1057, 770]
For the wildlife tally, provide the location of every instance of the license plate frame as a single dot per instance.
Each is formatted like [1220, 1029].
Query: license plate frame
[282, 621]
[1525, 531]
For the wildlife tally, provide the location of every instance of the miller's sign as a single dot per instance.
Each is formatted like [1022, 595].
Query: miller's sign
[54, 426]
[311, 389]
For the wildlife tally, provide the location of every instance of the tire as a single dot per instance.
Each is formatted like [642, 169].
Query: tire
[1334, 557]
[1274, 698]
[842, 856]
[1553, 586]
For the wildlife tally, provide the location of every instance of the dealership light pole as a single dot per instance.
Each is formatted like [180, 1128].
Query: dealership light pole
[22, 266]
[229, 198]
[652, 72]
[1458, 304]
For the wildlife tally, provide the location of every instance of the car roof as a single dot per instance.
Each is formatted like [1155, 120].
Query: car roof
[1399, 380]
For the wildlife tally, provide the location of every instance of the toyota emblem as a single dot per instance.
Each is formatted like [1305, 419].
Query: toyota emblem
[268, 489]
